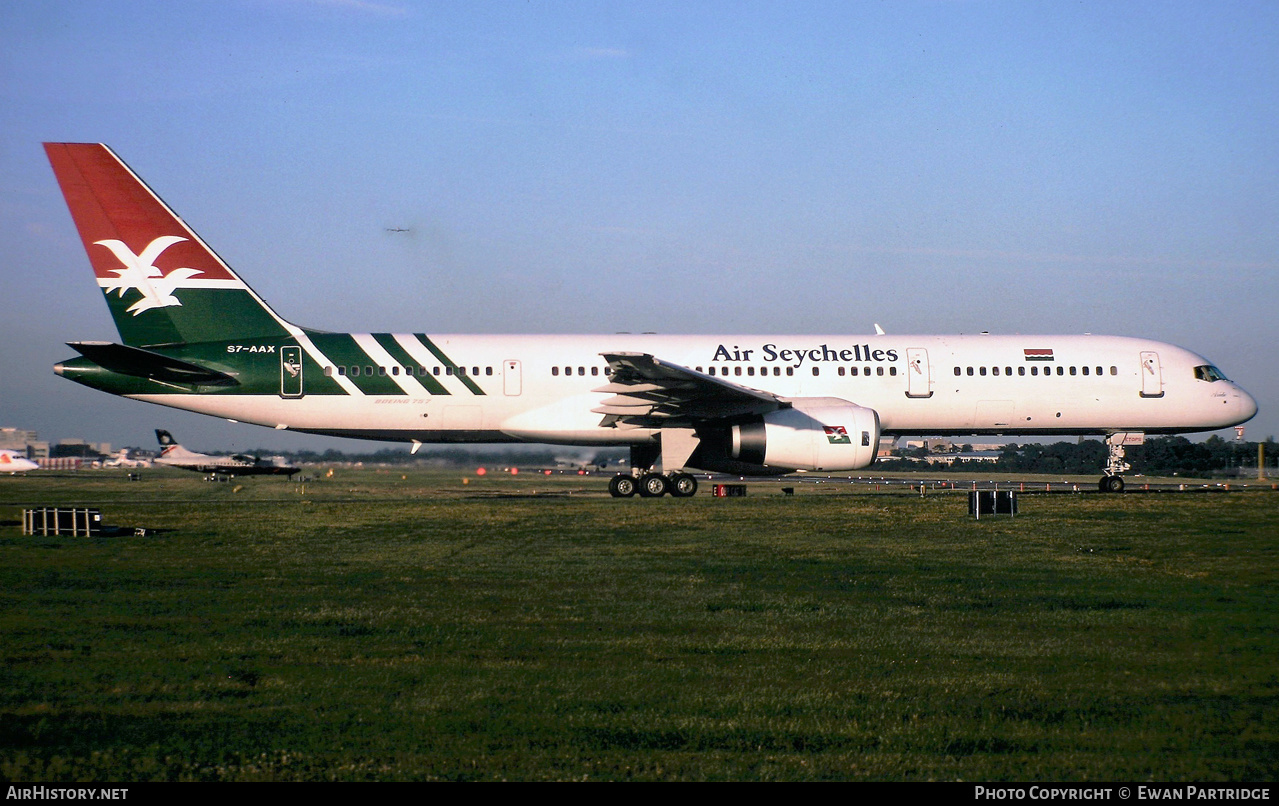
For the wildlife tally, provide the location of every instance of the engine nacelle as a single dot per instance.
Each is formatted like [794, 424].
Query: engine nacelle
[816, 433]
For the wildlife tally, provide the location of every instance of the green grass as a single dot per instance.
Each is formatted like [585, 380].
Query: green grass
[402, 625]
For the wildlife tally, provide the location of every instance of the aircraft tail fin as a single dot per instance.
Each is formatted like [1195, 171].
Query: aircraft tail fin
[163, 284]
[169, 447]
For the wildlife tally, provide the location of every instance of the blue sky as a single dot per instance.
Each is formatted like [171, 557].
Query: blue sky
[677, 167]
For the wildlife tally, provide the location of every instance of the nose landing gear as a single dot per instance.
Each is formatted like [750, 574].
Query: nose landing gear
[1113, 482]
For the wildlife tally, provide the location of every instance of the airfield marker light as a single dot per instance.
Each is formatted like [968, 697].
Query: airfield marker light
[481, 471]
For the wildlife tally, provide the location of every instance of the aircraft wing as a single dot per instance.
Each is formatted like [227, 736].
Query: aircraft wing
[651, 393]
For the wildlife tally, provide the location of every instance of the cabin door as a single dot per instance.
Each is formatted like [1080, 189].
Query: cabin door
[1152, 379]
[919, 376]
[511, 381]
[291, 371]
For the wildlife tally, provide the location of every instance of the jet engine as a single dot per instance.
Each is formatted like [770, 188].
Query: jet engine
[814, 434]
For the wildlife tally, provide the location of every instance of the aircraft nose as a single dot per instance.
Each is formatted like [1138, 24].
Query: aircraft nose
[1247, 406]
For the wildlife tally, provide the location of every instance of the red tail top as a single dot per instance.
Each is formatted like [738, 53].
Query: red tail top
[111, 204]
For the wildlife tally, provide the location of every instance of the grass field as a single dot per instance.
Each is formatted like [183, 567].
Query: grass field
[402, 625]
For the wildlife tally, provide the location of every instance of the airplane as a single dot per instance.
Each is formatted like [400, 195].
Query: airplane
[15, 462]
[195, 336]
[121, 459]
[174, 455]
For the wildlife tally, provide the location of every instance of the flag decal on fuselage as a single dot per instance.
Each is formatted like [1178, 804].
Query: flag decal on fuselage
[1038, 355]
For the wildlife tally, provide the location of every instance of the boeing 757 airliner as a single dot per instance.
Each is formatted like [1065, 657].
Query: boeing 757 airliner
[194, 336]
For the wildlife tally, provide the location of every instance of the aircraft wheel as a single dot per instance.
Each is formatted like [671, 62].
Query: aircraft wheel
[653, 485]
[683, 485]
[621, 486]
[1111, 484]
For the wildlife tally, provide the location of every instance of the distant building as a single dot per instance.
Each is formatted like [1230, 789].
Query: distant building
[17, 439]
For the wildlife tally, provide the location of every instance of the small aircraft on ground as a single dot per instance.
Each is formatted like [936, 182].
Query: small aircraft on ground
[174, 455]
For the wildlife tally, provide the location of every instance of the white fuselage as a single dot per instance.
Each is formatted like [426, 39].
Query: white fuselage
[541, 388]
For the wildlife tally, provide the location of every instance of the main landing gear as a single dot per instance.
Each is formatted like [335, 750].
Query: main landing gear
[653, 485]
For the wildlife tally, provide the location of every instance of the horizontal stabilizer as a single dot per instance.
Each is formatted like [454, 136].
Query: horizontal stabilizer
[146, 364]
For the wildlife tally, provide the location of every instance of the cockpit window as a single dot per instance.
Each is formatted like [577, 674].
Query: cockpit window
[1209, 373]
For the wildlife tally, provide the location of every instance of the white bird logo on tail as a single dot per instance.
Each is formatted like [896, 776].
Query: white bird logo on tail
[139, 272]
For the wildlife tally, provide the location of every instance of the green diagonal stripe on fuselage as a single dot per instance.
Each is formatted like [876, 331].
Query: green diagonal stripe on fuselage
[448, 362]
[398, 353]
[344, 352]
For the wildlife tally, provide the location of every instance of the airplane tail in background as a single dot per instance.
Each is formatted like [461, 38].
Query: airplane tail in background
[169, 448]
[163, 284]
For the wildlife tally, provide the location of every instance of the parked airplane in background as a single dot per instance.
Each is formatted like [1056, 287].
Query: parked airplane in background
[174, 455]
[196, 337]
[15, 462]
[121, 459]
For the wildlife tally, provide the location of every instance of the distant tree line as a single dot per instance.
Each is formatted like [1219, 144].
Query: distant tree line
[1160, 456]
[444, 457]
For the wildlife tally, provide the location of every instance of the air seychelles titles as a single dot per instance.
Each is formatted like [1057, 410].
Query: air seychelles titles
[797, 356]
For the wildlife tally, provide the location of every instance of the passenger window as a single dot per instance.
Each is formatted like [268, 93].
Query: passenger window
[750, 371]
[817, 371]
[841, 372]
[892, 370]
[790, 370]
[555, 371]
[1085, 370]
[994, 371]
[878, 371]
[1061, 370]
[957, 372]
[1021, 371]
[1114, 370]
[981, 371]
[328, 372]
[1072, 370]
